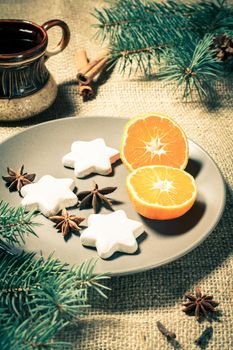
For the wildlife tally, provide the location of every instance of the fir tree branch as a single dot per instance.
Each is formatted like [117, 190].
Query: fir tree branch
[145, 34]
[140, 17]
[194, 69]
[30, 285]
[44, 291]
[30, 334]
[38, 297]
[134, 52]
[87, 278]
[200, 17]
[15, 223]
[213, 17]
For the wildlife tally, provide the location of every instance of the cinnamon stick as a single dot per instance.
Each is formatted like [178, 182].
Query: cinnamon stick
[88, 77]
[88, 72]
[85, 90]
[81, 59]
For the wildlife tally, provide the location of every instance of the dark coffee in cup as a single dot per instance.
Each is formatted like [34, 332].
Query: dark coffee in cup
[18, 37]
[26, 86]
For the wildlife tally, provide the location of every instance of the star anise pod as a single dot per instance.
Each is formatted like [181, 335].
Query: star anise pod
[199, 303]
[94, 197]
[66, 222]
[223, 47]
[17, 179]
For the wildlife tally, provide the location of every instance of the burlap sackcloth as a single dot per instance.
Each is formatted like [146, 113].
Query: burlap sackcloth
[127, 320]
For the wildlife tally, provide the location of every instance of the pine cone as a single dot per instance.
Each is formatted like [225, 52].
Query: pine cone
[223, 47]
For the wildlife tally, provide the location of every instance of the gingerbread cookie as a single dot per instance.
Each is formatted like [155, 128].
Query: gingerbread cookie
[88, 157]
[49, 195]
[111, 233]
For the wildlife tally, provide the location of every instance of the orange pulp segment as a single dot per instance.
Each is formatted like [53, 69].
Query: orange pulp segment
[153, 139]
[161, 192]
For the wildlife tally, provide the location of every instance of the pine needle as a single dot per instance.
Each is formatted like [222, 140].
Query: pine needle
[38, 296]
[171, 37]
[16, 223]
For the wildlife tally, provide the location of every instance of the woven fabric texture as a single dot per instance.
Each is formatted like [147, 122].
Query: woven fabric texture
[127, 320]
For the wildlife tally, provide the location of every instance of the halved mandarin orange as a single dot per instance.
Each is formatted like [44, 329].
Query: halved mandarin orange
[153, 139]
[161, 192]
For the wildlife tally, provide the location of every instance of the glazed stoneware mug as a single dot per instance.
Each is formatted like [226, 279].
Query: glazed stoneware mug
[26, 86]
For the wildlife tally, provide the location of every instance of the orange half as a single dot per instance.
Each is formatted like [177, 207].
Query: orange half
[153, 139]
[161, 192]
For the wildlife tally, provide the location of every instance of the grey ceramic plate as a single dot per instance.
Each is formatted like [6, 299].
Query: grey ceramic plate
[41, 148]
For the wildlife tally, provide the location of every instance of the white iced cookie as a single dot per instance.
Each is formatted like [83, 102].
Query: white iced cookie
[88, 157]
[111, 233]
[49, 195]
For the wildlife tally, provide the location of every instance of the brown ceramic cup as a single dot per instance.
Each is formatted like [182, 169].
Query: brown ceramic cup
[26, 86]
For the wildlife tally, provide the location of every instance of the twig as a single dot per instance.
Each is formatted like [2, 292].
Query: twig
[204, 338]
[165, 331]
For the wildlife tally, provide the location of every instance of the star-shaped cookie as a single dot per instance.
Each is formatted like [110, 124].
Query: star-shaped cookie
[110, 233]
[49, 195]
[88, 157]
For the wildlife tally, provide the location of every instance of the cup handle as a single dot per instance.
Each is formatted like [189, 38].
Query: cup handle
[64, 39]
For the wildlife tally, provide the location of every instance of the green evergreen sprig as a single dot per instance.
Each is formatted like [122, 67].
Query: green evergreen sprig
[173, 37]
[38, 296]
[87, 279]
[16, 224]
[194, 70]
[140, 17]
[30, 334]
[44, 291]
